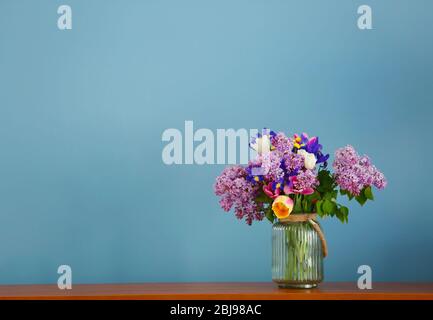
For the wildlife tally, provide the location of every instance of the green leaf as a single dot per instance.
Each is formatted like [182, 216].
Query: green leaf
[368, 193]
[314, 196]
[263, 198]
[342, 214]
[330, 195]
[328, 207]
[344, 210]
[269, 214]
[346, 193]
[334, 194]
[326, 181]
[345, 213]
[361, 199]
[319, 208]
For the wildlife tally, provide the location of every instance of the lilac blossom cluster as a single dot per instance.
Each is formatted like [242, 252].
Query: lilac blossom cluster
[305, 180]
[293, 162]
[235, 191]
[282, 143]
[353, 173]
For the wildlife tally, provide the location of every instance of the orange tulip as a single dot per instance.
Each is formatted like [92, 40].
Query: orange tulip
[282, 206]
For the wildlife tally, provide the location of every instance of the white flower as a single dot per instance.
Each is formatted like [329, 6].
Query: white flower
[262, 145]
[309, 159]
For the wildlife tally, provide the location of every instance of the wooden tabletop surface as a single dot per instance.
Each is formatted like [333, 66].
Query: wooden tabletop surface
[232, 290]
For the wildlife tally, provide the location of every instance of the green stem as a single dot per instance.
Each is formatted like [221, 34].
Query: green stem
[298, 204]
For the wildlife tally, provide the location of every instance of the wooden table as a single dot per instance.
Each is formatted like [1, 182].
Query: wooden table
[233, 290]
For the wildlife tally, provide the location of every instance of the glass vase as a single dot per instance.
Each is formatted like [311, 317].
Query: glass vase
[297, 256]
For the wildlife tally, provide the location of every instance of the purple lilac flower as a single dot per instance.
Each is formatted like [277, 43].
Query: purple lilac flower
[345, 157]
[235, 191]
[293, 162]
[271, 164]
[353, 173]
[380, 181]
[282, 143]
[265, 167]
[305, 180]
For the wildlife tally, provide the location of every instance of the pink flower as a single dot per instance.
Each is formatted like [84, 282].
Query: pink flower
[267, 189]
[294, 187]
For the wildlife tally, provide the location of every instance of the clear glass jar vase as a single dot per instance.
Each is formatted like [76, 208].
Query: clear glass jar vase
[297, 255]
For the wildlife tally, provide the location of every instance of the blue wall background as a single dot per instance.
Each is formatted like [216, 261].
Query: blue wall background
[82, 112]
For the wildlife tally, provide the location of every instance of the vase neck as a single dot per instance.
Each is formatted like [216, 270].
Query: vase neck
[299, 217]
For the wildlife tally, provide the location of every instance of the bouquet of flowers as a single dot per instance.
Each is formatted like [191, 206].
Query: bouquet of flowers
[290, 176]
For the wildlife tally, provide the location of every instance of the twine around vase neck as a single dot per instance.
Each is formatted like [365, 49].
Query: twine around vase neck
[299, 217]
[310, 217]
